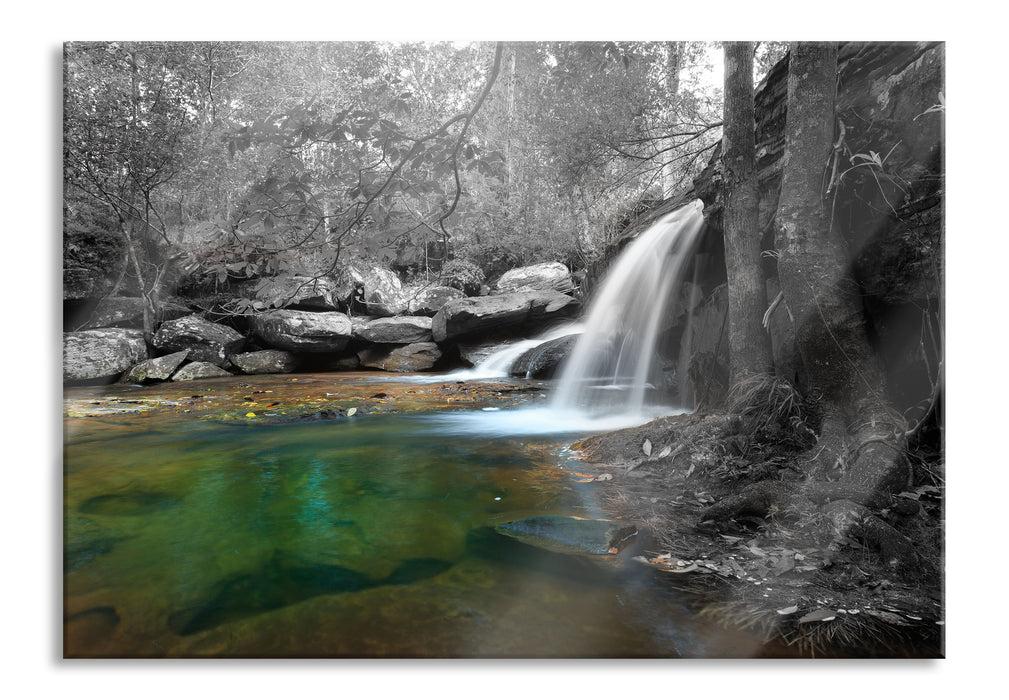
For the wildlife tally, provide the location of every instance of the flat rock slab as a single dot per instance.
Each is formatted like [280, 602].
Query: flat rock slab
[156, 370]
[199, 370]
[205, 340]
[465, 318]
[303, 331]
[570, 535]
[415, 357]
[102, 352]
[398, 330]
[265, 362]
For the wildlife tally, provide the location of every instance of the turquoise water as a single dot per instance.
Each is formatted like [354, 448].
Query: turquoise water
[370, 537]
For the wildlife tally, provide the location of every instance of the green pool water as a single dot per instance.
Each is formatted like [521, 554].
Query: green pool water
[363, 537]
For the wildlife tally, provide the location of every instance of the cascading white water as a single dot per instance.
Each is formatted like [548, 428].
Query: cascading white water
[614, 368]
[499, 363]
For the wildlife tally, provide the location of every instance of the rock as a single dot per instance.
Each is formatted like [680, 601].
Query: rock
[543, 276]
[708, 372]
[118, 312]
[300, 291]
[429, 300]
[154, 370]
[544, 360]
[472, 316]
[206, 341]
[400, 330]
[415, 357]
[168, 310]
[475, 353]
[382, 292]
[570, 535]
[303, 331]
[265, 362]
[101, 353]
[199, 370]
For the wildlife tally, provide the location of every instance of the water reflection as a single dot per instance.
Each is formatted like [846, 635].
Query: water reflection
[369, 537]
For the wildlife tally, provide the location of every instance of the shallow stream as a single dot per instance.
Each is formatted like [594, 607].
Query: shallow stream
[252, 517]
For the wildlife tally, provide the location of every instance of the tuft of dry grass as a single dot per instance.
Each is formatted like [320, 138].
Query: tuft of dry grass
[771, 408]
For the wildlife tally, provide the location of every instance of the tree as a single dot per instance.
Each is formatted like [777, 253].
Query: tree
[749, 345]
[857, 461]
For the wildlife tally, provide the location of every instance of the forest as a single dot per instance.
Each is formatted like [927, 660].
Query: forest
[751, 410]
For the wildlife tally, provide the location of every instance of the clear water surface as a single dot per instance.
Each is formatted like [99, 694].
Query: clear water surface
[364, 537]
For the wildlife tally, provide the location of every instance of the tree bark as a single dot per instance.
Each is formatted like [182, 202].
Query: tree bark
[749, 344]
[818, 286]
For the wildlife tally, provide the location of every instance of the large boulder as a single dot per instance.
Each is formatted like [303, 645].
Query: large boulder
[301, 291]
[377, 290]
[128, 312]
[428, 301]
[157, 369]
[303, 331]
[415, 357]
[542, 276]
[118, 312]
[199, 370]
[399, 330]
[101, 353]
[265, 362]
[465, 318]
[205, 340]
[544, 360]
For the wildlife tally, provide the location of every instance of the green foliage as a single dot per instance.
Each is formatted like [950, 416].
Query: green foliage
[295, 155]
[464, 275]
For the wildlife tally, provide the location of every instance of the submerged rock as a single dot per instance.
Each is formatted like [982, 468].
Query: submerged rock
[468, 317]
[570, 535]
[415, 357]
[157, 369]
[205, 340]
[303, 331]
[543, 276]
[199, 370]
[265, 362]
[101, 353]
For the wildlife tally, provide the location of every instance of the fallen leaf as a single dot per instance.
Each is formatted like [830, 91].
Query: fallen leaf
[665, 451]
[646, 447]
[351, 411]
[789, 610]
[250, 415]
[820, 615]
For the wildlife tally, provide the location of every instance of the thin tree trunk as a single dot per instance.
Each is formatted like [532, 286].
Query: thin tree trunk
[674, 61]
[749, 345]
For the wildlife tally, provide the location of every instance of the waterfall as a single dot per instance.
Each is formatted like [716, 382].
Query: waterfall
[499, 363]
[614, 368]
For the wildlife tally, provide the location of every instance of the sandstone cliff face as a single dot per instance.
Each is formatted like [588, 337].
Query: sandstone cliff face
[887, 192]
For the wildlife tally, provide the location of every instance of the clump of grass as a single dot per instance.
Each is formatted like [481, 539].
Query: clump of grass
[771, 409]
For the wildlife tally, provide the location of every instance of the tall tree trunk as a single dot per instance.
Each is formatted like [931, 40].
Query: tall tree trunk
[749, 344]
[858, 460]
[818, 286]
[674, 61]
